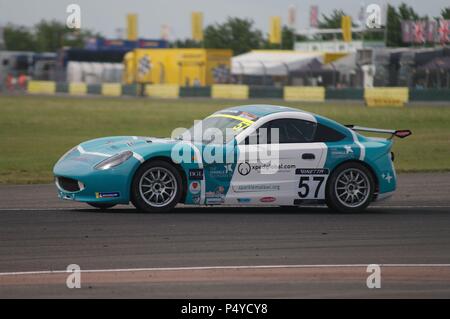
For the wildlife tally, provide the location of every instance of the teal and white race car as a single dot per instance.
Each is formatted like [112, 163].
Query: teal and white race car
[246, 155]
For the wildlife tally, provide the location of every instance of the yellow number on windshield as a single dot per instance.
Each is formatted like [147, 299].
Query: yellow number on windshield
[240, 126]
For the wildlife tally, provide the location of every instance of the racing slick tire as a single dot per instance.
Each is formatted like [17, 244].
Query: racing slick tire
[101, 206]
[350, 188]
[156, 187]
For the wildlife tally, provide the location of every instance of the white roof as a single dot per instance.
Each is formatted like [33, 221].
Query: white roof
[272, 62]
[344, 65]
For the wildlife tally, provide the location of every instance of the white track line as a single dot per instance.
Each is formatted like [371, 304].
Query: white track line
[53, 272]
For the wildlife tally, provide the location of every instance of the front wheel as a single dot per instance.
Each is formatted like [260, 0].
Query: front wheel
[156, 187]
[350, 188]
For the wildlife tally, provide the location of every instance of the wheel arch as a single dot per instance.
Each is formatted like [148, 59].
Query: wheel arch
[177, 167]
[368, 166]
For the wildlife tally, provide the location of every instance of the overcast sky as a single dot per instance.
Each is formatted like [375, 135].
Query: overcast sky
[106, 16]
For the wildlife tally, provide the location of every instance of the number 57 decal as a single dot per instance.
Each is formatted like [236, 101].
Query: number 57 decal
[311, 183]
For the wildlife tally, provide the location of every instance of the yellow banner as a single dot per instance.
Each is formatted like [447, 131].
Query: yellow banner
[132, 29]
[77, 88]
[197, 26]
[304, 93]
[111, 89]
[275, 30]
[42, 87]
[229, 91]
[165, 91]
[386, 96]
[346, 25]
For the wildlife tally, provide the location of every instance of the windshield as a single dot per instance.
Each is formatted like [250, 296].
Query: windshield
[217, 129]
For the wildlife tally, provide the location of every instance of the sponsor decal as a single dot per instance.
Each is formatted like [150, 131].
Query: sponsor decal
[243, 200]
[255, 188]
[338, 153]
[312, 183]
[195, 187]
[196, 174]
[216, 197]
[280, 168]
[387, 177]
[248, 116]
[348, 149]
[220, 190]
[267, 199]
[244, 168]
[221, 171]
[311, 171]
[214, 200]
[107, 195]
[196, 199]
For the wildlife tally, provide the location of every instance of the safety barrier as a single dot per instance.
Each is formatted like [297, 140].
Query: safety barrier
[265, 92]
[195, 91]
[344, 94]
[429, 94]
[62, 87]
[77, 88]
[41, 87]
[111, 89]
[386, 96]
[373, 97]
[165, 91]
[304, 93]
[229, 91]
[130, 89]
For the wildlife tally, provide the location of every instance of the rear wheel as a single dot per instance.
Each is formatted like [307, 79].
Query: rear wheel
[101, 205]
[156, 187]
[350, 188]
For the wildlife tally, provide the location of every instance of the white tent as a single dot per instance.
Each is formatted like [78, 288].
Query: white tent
[94, 72]
[344, 65]
[272, 62]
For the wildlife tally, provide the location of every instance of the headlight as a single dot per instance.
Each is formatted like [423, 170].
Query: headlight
[114, 161]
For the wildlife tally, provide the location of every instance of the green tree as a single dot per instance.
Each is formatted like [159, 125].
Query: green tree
[445, 13]
[53, 35]
[394, 18]
[288, 38]
[407, 12]
[237, 34]
[332, 21]
[47, 36]
[186, 43]
[393, 24]
[18, 38]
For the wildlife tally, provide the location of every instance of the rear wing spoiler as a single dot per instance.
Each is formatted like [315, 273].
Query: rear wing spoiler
[397, 133]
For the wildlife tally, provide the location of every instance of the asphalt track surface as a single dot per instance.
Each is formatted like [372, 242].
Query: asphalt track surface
[227, 252]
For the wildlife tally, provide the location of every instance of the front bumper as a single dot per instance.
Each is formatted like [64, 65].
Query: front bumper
[97, 186]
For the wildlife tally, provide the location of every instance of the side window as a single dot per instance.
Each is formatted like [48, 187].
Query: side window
[260, 136]
[293, 131]
[327, 134]
[289, 131]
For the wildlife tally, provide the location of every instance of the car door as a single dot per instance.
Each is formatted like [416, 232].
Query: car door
[281, 170]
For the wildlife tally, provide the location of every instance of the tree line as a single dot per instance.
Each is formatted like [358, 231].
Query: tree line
[237, 34]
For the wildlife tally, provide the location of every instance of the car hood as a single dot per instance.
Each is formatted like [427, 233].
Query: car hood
[94, 151]
[117, 144]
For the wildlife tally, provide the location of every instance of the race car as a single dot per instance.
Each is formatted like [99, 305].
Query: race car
[267, 155]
